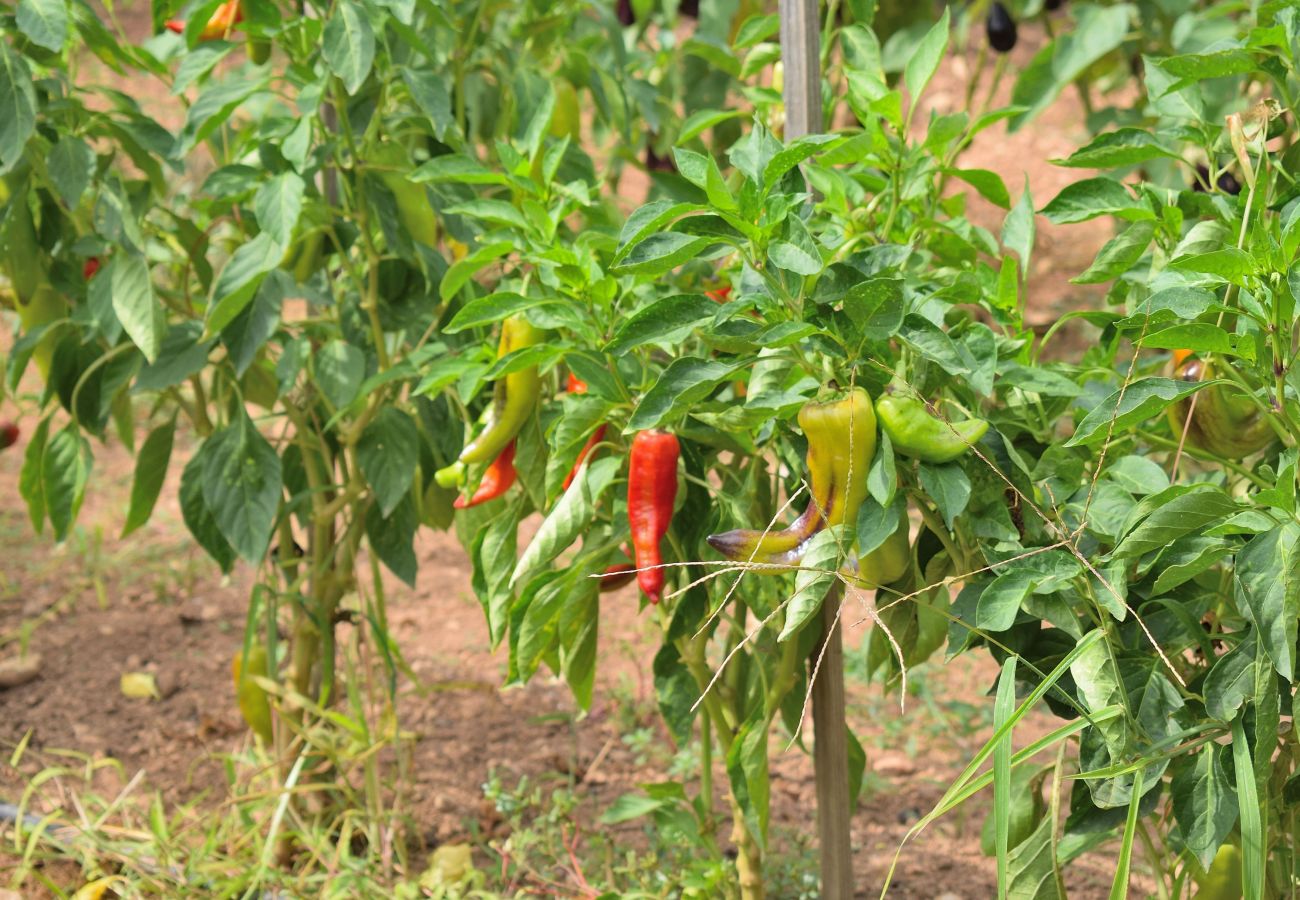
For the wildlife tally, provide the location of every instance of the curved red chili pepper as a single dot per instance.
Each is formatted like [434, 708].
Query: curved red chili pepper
[719, 295]
[576, 385]
[651, 490]
[90, 268]
[498, 478]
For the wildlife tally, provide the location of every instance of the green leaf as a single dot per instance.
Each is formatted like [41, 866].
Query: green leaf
[339, 368]
[1018, 230]
[571, 516]
[1091, 198]
[392, 537]
[747, 773]
[150, 472]
[1032, 873]
[876, 307]
[388, 453]
[676, 692]
[1228, 263]
[64, 472]
[241, 486]
[31, 478]
[45, 22]
[949, 488]
[1000, 601]
[467, 268]
[1200, 337]
[214, 106]
[491, 309]
[660, 253]
[821, 561]
[431, 95]
[989, 185]
[1184, 514]
[1119, 254]
[1117, 149]
[1097, 31]
[1266, 579]
[662, 320]
[794, 153]
[455, 169]
[1231, 681]
[17, 107]
[278, 205]
[198, 517]
[71, 164]
[685, 382]
[647, 220]
[240, 279]
[134, 303]
[1142, 399]
[925, 59]
[348, 45]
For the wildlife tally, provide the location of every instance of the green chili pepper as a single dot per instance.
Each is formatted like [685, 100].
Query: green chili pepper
[916, 433]
[841, 436]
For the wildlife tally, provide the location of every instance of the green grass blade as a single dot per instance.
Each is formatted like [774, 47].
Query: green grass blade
[1003, 708]
[1119, 887]
[1252, 825]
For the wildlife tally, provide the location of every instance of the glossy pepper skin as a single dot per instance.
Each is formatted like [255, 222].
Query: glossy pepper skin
[841, 436]
[1224, 422]
[223, 19]
[577, 386]
[615, 576]
[253, 703]
[513, 397]
[888, 562]
[413, 208]
[651, 492]
[1000, 28]
[496, 480]
[914, 432]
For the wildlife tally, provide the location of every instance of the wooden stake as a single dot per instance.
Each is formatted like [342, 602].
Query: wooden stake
[801, 56]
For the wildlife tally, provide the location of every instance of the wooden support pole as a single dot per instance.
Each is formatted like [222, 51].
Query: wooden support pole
[801, 56]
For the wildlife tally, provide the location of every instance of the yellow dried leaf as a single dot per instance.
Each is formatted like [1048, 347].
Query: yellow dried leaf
[140, 686]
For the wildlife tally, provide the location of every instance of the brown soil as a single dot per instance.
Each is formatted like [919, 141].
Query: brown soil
[98, 607]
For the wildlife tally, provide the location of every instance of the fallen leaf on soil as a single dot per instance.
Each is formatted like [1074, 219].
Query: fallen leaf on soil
[140, 686]
[95, 890]
[14, 672]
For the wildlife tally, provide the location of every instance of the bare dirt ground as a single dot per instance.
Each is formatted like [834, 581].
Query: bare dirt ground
[97, 607]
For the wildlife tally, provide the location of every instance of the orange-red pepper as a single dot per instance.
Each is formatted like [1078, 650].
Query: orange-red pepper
[90, 268]
[223, 19]
[498, 478]
[651, 491]
[577, 386]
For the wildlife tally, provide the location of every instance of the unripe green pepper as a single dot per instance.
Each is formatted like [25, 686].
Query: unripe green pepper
[413, 207]
[253, 703]
[1223, 880]
[1224, 421]
[46, 305]
[914, 432]
[888, 562]
[514, 397]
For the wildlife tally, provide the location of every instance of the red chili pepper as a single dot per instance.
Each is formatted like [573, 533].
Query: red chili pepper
[616, 576]
[651, 490]
[223, 19]
[498, 478]
[577, 386]
[9, 436]
[90, 268]
[719, 295]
